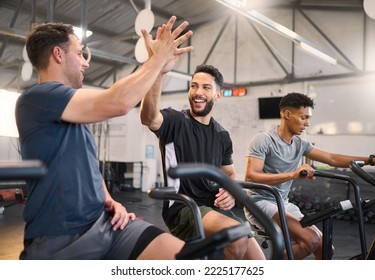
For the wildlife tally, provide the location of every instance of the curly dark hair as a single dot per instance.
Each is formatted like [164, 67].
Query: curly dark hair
[43, 38]
[296, 100]
[214, 72]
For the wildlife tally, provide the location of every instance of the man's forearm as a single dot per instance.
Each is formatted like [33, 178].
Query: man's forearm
[150, 105]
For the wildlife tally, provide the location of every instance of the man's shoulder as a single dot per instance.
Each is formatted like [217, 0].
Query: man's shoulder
[301, 141]
[47, 88]
[49, 96]
[218, 127]
[46, 85]
[173, 115]
[264, 135]
[171, 111]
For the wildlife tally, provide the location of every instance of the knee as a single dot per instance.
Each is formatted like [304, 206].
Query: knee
[311, 242]
[237, 249]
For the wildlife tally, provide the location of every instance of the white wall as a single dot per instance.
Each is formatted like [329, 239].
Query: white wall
[239, 115]
[9, 149]
[128, 140]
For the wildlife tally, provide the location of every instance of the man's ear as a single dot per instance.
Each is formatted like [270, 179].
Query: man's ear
[219, 94]
[56, 53]
[287, 113]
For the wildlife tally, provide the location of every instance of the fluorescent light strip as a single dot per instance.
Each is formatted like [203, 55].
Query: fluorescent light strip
[314, 51]
[282, 30]
[269, 23]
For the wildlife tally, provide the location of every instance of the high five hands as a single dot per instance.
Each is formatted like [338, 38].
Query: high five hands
[166, 43]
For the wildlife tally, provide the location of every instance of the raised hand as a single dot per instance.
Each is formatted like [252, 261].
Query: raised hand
[166, 44]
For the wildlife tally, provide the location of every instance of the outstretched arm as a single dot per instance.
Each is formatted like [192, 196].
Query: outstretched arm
[335, 160]
[88, 105]
[150, 106]
[254, 173]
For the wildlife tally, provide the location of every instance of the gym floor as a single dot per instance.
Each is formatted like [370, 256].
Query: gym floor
[345, 233]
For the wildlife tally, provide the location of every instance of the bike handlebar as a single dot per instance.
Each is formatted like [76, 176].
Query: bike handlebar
[169, 193]
[356, 167]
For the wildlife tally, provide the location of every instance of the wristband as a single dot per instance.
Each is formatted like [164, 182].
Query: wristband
[371, 160]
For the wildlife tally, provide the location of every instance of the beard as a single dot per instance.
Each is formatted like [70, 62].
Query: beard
[77, 84]
[206, 110]
[75, 81]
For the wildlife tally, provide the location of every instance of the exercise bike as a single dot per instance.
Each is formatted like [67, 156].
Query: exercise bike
[356, 167]
[202, 246]
[11, 171]
[283, 221]
[326, 216]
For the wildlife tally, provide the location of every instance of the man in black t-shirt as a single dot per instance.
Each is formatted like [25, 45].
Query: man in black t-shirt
[193, 136]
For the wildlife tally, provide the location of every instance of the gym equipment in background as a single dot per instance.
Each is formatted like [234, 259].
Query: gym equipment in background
[14, 171]
[359, 210]
[356, 167]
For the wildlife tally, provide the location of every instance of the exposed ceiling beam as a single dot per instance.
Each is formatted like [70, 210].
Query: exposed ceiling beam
[113, 57]
[12, 34]
[300, 41]
[41, 13]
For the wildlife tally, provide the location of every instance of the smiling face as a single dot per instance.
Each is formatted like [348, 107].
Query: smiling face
[203, 93]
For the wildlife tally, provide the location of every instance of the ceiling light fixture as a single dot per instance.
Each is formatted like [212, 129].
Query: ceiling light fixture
[144, 20]
[27, 67]
[78, 32]
[270, 24]
[369, 7]
[238, 3]
[314, 51]
[304, 44]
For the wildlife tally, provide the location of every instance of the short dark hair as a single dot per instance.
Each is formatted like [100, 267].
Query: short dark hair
[43, 38]
[295, 100]
[214, 72]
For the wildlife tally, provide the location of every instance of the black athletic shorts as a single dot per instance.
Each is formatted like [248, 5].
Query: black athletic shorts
[99, 242]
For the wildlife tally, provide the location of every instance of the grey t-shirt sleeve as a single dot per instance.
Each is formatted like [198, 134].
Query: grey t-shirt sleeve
[306, 146]
[259, 146]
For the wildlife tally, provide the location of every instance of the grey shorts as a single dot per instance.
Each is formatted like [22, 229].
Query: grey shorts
[270, 209]
[184, 227]
[99, 242]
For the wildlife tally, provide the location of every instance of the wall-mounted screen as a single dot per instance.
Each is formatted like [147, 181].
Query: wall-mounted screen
[269, 107]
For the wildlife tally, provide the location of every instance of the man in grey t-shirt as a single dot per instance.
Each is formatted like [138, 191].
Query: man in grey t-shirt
[274, 158]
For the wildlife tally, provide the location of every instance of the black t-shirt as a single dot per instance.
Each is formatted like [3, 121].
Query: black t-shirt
[183, 139]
